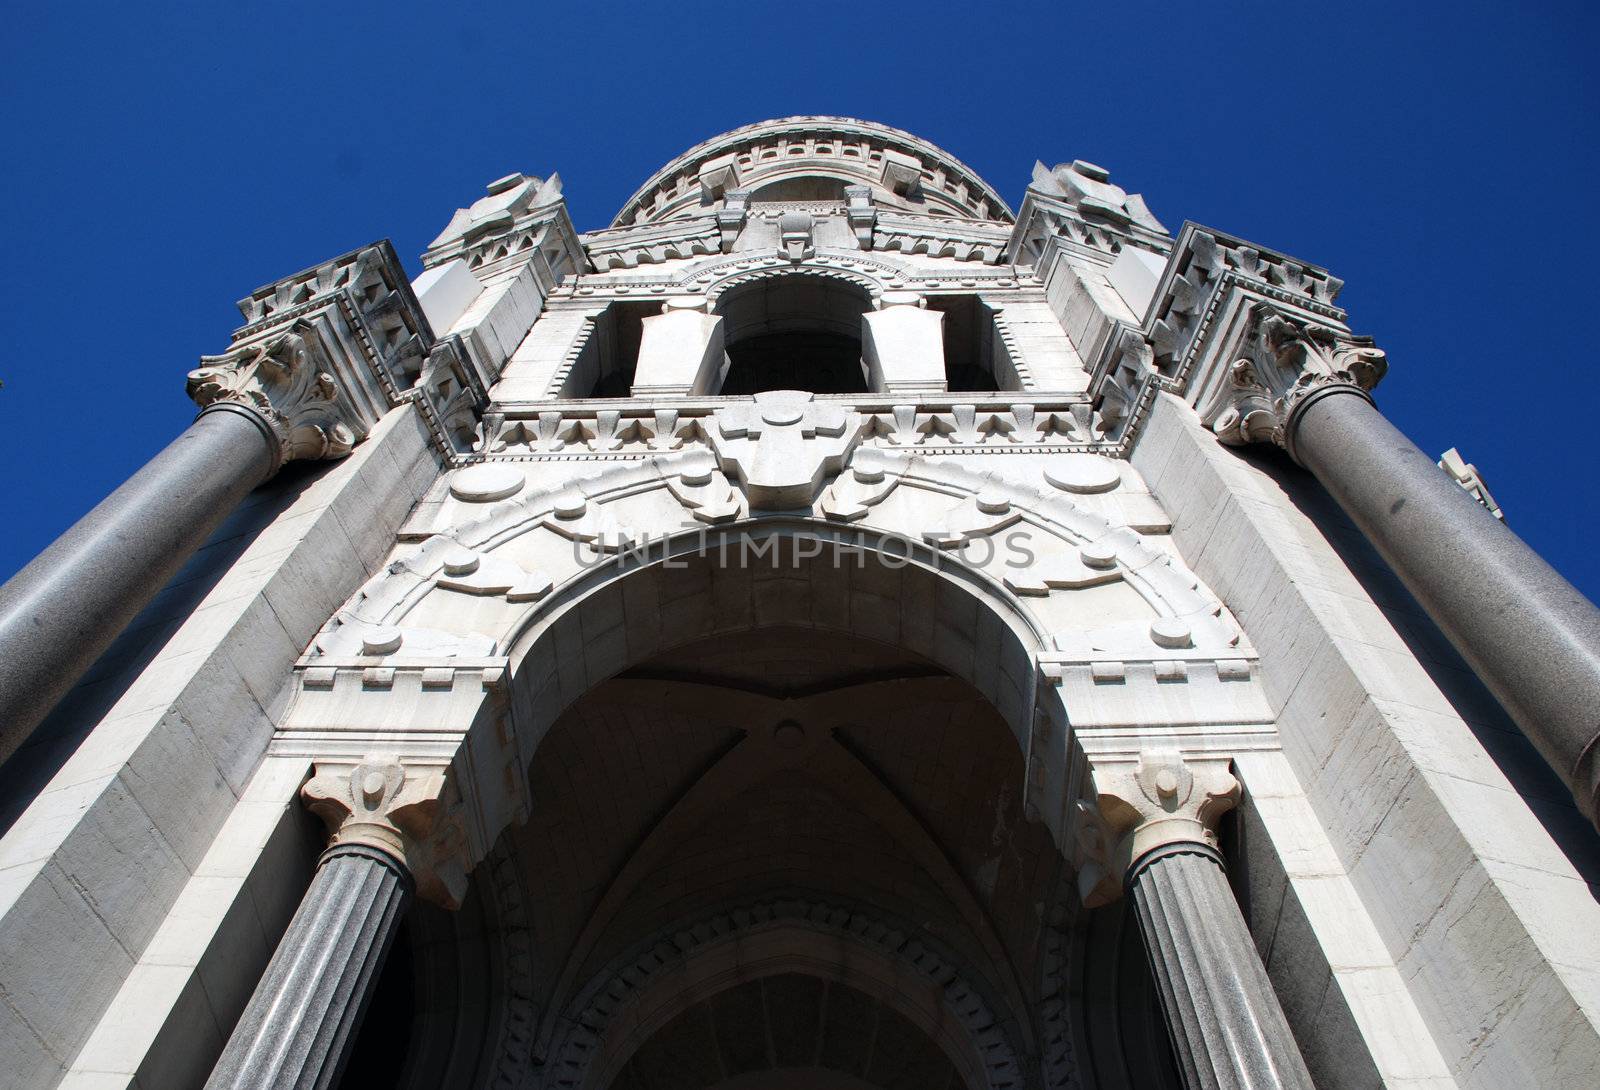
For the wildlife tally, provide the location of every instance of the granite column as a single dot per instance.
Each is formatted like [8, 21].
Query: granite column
[1530, 635]
[262, 405]
[297, 1030]
[1150, 831]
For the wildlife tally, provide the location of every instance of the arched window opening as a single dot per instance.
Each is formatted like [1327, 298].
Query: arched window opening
[794, 333]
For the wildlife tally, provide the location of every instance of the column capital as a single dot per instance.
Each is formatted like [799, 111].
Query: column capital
[1160, 798]
[1286, 363]
[412, 813]
[286, 382]
[323, 354]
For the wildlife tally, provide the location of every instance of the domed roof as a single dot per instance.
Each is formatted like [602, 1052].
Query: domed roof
[814, 159]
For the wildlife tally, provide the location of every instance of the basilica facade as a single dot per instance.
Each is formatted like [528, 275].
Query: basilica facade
[825, 630]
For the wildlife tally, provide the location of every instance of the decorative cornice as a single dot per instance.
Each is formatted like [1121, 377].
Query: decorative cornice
[326, 352]
[992, 426]
[651, 244]
[322, 354]
[1206, 268]
[1075, 206]
[894, 161]
[1202, 338]
[1159, 799]
[520, 220]
[940, 236]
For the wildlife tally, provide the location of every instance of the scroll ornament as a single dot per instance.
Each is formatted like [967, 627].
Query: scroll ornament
[1287, 361]
[1158, 800]
[412, 814]
[280, 382]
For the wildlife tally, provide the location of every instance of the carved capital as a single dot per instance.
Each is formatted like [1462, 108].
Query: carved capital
[285, 381]
[412, 813]
[1284, 362]
[1159, 799]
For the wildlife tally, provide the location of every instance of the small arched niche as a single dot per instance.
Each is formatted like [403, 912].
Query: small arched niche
[804, 187]
[794, 332]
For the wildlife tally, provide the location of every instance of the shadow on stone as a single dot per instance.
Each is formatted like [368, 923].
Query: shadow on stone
[30, 769]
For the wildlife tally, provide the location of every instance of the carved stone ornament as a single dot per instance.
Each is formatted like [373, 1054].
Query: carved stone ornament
[411, 813]
[280, 380]
[1160, 799]
[1286, 361]
[783, 446]
[1089, 189]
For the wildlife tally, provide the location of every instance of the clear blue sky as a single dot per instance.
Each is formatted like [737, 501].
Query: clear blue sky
[160, 163]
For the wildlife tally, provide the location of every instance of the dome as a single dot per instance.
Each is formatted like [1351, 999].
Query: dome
[815, 159]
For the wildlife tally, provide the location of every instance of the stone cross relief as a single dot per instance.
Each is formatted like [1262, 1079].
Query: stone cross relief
[783, 446]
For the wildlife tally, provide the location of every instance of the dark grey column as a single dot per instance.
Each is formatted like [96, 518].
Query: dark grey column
[61, 611]
[300, 1023]
[1228, 1031]
[1526, 631]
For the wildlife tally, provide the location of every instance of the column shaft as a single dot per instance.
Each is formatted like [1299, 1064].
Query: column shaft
[61, 611]
[297, 1030]
[1228, 1030]
[1530, 635]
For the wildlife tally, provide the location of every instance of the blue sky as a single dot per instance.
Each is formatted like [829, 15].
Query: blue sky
[162, 162]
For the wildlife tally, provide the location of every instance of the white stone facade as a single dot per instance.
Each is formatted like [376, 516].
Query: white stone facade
[612, 623]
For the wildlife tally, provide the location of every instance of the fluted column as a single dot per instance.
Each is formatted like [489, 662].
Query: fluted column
[302, 1019]
[396, 828]
[1530, 635]
[1227, 1027]
[261, 406]
[1151, 829]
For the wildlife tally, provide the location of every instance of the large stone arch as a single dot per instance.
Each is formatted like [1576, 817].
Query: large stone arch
[462, 651]
[458, 657]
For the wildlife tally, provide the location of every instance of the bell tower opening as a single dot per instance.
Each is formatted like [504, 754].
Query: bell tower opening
[795, 332]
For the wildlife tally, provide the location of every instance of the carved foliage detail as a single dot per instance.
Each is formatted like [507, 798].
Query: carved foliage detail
[283, 380]
[1285, 361]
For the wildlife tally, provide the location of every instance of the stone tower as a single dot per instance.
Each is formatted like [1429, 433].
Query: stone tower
[823, 630]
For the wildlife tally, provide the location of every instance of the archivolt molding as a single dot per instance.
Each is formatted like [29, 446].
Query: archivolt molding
[1121, 639]
[873, 277]
[596, 1006]
[715, 273]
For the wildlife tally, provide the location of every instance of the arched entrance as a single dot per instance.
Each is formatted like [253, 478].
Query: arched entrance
[711, 684]
[786, 842]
